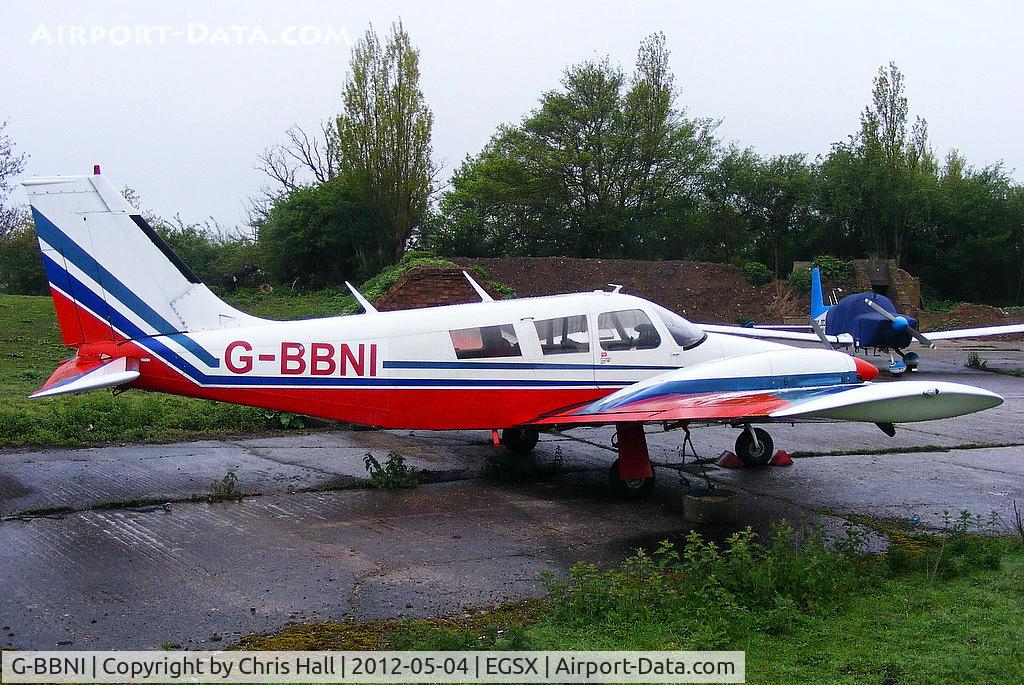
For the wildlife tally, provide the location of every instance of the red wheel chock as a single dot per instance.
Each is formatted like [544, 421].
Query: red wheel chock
[729, 460]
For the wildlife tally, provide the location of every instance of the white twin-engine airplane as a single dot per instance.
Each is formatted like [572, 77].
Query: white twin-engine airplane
[138, 318]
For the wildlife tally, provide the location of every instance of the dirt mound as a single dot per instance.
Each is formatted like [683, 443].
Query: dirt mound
[700, 291]
[972, 316]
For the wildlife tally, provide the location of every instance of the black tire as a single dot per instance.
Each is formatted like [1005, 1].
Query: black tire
[520, 440]
[755, 455]
[629, 489]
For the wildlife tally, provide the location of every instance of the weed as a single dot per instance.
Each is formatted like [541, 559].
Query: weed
[281, 419]
[393, 475]
[226, 489]
[975, 361]
[965, 545]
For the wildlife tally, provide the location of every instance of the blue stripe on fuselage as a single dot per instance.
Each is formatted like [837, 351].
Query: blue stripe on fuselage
[779, 384]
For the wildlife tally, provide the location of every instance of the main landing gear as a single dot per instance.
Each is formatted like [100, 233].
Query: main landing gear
[631, 476]
[754, 446]
[520, 440]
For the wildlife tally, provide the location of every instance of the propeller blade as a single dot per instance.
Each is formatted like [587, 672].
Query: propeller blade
[878, 308]
[921, 339]
[889, 315]
[821, 333]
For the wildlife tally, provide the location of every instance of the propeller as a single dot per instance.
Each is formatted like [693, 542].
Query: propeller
[900, 323]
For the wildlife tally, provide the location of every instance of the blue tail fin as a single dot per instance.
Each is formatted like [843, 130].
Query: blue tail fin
[817, 302]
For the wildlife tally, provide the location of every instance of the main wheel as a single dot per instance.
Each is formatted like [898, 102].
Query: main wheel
[755, 454]
[520, 440]
[629, 489]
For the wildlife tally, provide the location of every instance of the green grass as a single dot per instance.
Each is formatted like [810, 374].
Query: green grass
[31, 348]
[938, 608]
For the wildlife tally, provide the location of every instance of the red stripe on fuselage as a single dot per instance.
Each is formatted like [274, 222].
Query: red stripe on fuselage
[421, 408]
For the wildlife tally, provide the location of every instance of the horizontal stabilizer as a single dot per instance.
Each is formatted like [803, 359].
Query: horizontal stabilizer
[79, 374]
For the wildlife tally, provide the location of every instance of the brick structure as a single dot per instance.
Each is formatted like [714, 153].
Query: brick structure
[884, 277]
[430, 286]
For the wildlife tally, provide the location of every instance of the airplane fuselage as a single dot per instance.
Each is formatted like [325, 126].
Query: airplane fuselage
[480, 365]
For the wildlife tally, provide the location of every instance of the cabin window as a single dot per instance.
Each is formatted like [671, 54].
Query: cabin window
[565, 335]
[682, 331]
[627, 330]
[486, 341]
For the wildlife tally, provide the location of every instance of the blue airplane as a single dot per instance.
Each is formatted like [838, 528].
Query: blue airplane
[866, 321]
[872, 321]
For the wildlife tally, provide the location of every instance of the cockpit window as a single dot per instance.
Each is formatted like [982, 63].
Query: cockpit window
[566, 335]
[484, 342]
[627, 330]
[682, 331]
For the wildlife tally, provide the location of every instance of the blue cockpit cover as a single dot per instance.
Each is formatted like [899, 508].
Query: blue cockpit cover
[869, 328]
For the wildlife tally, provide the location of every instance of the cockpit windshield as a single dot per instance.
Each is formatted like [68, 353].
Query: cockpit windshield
[683, 332]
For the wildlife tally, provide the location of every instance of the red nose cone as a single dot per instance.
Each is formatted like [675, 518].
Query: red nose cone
[866, 371]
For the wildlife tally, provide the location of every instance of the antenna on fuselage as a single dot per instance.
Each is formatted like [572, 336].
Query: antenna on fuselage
[615, 288]
[363, 302]
[484, 297]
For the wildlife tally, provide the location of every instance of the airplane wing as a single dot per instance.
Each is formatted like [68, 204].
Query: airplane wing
[774, 334]
[975, 332]
[80, 374]
[777, 386]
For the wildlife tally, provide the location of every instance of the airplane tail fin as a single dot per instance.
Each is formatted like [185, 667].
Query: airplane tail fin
[817, 301]
[111, 276]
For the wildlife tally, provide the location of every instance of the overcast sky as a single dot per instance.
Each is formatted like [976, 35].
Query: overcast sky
[182, 117]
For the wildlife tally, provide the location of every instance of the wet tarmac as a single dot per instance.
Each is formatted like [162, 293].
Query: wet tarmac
[117, 548]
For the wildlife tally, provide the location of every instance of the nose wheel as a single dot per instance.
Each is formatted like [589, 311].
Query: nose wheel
[754, 446]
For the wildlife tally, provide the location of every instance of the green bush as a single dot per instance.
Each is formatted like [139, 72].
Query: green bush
[21, 267]
[834, 270]
[799, 280]
[717, 590]
[965, 545]
[218, 257]
[322, 235]
[757, 273]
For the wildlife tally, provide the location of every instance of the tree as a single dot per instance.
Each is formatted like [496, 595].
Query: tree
[595, 170]
[322, 235]
[384, 135]
[21, 269]
[11, 165]
[879, 184]
[779, 205]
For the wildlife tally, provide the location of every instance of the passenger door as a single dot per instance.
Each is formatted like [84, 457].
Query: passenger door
[629, 346]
